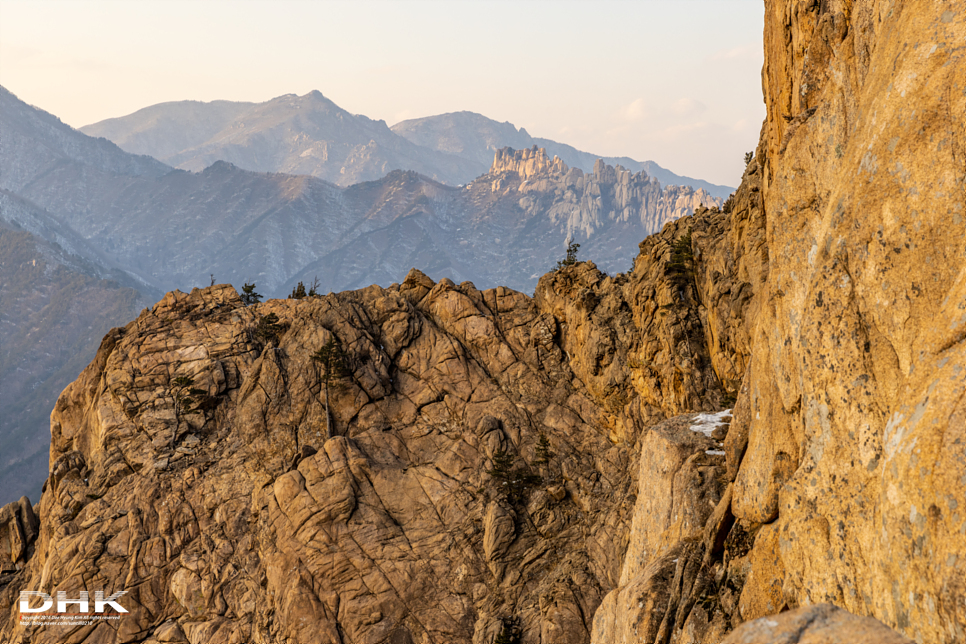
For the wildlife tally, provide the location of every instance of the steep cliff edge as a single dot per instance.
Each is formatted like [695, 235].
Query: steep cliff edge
[846, 448]
[855, 451]
[585, 202]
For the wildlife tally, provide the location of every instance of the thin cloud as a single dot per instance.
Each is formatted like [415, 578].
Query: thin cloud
[635, 111]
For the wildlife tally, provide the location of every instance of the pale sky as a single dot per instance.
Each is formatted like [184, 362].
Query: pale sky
[675, 81]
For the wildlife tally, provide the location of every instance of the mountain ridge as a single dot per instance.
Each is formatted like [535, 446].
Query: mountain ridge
[362, 151]
[425, 131]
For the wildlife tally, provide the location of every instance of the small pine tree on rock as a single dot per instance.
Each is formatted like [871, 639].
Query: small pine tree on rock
[298, 292]
[248, 294]
[268, 328]
[187, 398]
[680, 268]
[509, 631]
[334, 363]
[544, 455]
[571, 258]
[512, 482]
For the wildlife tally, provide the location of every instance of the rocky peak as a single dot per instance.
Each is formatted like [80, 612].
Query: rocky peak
[395, 469]
[526, 163]
[588, 202]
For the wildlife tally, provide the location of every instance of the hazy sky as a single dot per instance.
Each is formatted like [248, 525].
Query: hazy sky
[675, 81]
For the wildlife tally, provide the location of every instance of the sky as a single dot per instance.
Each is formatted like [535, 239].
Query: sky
[673, 81]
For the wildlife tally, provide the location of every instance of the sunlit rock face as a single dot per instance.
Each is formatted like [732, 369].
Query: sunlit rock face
[846, 445]
[857, 371]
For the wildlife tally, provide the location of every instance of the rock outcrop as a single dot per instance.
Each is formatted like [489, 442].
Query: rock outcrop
[818, 624]
[475, 138]
[507, 227]
[18, 531]
[239, 517]
[585, 202]
[243, 520]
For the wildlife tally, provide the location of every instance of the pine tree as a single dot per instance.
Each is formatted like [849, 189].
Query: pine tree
[334, 363]
[502, 468]
[509, 631]
[249, 296]
[512, 482]
[544, 455]
[187, 399]
[680, 269]
[298, 292]
[268, 328]
[571, 258]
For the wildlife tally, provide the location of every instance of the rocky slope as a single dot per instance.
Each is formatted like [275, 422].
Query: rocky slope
[368, 532]
[391, 529]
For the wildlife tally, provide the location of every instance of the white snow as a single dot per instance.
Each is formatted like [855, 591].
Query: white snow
[707, 423]
[714, 452]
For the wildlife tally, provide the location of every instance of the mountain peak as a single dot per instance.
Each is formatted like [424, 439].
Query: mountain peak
[527, 163]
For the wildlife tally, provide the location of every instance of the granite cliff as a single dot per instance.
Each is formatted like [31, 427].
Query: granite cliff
[766, 414]
[247, 519]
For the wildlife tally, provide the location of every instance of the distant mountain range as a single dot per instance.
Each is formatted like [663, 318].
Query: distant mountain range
[475, 137]
[90, 234]
[58, 297]
[312, 135]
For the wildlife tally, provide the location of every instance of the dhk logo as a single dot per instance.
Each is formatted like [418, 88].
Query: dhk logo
[83, 602]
